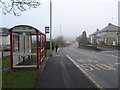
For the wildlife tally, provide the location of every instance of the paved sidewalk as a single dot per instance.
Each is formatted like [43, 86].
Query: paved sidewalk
[60, 72]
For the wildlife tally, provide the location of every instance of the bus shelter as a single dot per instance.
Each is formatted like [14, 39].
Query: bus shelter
[26, 44]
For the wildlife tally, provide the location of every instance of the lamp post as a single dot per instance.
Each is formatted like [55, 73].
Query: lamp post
[51, 27]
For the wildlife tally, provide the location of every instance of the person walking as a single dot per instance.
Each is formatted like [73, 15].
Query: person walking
[56, 47]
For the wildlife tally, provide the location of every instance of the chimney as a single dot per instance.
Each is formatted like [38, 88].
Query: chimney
[109, 24]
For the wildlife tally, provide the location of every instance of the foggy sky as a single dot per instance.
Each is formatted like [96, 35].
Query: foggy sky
[74, 16]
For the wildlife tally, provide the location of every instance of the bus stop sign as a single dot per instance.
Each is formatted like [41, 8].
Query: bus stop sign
[47, 29]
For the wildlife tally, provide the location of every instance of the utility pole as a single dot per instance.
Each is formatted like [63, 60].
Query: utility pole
[60, 35]
[112, 20]
[51, 27]
[60, 30]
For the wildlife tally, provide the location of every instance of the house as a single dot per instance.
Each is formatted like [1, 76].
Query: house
[4, 38]
[93, 38]
[107, 36]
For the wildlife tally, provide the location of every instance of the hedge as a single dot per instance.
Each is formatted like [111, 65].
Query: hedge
[48, 44]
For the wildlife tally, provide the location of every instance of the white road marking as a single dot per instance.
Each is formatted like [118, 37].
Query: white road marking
[112, 55]
[86, 74]
[57, 55]
[117, 63]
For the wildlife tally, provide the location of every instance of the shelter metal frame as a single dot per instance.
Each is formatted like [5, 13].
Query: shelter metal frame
[22, 34]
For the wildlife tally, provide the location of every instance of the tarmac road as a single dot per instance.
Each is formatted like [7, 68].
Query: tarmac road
[73, 67]
[100, 67]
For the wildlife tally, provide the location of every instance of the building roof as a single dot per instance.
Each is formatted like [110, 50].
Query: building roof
[4, 32]
[110, 28]
[94, 33]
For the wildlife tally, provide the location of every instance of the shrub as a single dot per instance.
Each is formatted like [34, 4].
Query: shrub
[48, 44]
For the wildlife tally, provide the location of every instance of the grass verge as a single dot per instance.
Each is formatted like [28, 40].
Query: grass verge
[5, 62]
[19, 79]
[48, 52]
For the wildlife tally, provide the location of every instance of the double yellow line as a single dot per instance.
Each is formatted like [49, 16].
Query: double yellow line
[86, 74]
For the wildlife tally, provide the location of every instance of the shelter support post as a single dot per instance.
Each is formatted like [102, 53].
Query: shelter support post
[37, 49]
[19, 45]
[45, 44]
[40, 47]
[11, 50]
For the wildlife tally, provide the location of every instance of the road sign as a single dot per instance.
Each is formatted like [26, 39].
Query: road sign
[47, 29]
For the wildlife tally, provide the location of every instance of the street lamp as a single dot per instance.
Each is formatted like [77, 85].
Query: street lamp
[51, 27]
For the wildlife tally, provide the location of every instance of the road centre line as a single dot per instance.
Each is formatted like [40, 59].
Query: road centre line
[86, 74]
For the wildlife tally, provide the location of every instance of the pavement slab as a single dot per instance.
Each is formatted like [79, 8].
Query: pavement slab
[60, 72]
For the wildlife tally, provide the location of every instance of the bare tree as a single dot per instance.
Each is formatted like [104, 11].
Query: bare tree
[61, 41]
[17, 6]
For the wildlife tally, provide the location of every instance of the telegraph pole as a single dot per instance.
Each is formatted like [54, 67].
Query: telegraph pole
[60, 35]
[60, 30]
[51, 26]
[112, 20]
